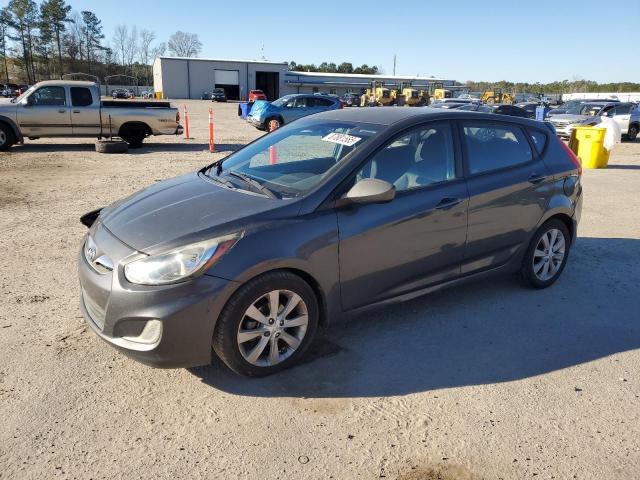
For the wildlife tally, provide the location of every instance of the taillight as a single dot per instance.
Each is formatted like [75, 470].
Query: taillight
[178, 116]
[572, 156]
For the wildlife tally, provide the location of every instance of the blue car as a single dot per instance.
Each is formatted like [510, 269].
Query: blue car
[289, 108]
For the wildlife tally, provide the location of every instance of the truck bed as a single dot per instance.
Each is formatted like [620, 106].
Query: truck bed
[135, 104]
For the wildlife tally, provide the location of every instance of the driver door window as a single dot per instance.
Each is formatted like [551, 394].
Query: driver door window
[48, 96]
[418, 158]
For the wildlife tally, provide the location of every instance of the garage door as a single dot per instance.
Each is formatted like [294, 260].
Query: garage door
[226, 77]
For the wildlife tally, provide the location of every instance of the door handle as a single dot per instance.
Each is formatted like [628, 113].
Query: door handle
[535, 178]
[448, 202]
[76, 111]
[62, 111]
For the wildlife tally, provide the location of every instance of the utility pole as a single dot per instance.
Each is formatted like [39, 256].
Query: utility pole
[394, 64]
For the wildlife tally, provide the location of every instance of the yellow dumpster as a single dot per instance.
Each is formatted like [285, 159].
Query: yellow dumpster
[588, 144]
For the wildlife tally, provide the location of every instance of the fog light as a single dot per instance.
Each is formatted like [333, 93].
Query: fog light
[150, 334]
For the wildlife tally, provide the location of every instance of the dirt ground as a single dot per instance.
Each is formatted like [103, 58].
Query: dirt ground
[485, 381]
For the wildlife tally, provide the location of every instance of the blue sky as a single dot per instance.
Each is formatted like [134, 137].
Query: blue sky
[463, 40]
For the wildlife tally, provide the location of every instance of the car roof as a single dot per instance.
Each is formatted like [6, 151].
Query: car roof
[71, 83]
[391, 115]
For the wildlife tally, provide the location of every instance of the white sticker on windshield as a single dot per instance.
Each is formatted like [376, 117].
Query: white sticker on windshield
[342, 139]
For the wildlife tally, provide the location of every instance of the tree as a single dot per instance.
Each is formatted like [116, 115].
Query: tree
[24, 15]
[120, 38]
[55, 14]
[92, 32]
[5, 24]
[345, 67]
[184, 44]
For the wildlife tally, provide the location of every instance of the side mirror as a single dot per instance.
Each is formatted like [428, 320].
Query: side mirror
[368, 190]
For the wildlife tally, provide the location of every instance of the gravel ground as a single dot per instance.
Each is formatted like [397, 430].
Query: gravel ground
[489, 380]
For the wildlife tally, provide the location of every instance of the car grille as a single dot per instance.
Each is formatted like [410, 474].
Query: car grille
[94, 310]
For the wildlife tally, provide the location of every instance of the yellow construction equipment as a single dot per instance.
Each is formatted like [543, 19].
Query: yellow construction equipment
[496, 96]
[378, 94]
[412, 96]
[438, 92]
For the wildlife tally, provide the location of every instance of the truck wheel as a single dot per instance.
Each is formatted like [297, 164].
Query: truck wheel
[108, 146]
[134, 138]
[7, 138]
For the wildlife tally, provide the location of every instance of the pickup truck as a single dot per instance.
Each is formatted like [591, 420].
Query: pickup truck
[74, 109]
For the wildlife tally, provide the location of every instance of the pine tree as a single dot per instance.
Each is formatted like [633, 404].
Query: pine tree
[55, 14]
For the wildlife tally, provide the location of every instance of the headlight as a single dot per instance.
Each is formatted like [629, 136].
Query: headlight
[179, 264]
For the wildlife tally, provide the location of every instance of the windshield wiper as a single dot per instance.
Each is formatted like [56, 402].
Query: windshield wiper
[219, 180]
[247, 179]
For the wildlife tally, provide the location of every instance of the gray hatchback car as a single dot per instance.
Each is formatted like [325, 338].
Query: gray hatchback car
[321, 219]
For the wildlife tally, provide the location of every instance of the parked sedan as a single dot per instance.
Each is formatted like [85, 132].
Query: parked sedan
[351, 99]
[256, 95]
[498, 109]
[218, 95]
[120, 93]
[321, 219]
[530, 107]
[289, 108]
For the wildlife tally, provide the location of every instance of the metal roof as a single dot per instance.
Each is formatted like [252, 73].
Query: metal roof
[363, 75]
[228, 60]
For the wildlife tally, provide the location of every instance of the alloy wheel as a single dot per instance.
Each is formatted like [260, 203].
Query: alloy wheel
[549, 254]
[272, 328]
[3, 138]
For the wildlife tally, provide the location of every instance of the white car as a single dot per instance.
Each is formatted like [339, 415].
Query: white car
[627, 115]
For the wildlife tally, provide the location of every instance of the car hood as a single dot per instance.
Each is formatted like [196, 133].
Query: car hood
[568, 117]
[184, 210]
[260, 107]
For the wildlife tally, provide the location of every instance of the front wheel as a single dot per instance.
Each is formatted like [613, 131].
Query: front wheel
[632, 133]
[547, 255]
[267, 325]
[7, 138]
[272, 126]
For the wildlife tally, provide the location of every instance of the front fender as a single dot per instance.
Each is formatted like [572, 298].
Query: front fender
[307, 244]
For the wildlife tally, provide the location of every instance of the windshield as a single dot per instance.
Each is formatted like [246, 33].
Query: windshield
[292, 160]
[28, 92]
[590, 109]
[282, 101]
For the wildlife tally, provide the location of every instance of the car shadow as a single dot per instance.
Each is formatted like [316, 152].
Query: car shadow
[623, 167]
[186, 146]
[147, 147]
[482, 333]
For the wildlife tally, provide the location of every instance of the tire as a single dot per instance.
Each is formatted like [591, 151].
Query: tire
[632, 133]
[134, 138]
[267, 123]
[116, 146]
[255, 296]
[541, 267]
[7, 137]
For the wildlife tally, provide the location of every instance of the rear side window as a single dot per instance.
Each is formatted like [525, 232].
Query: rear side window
[539, 140]
[323, 102]
[494, 147]
[81, 97]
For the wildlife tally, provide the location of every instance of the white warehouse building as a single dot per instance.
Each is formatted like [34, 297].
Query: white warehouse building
[178, 77]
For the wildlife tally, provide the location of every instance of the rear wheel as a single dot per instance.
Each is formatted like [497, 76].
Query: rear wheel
[547, 255]
[267, 325]
[134, 137]
[632, 133]
[7, 138]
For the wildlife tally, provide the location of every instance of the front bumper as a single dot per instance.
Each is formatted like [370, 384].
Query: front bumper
[256, 122]
[168, 326]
